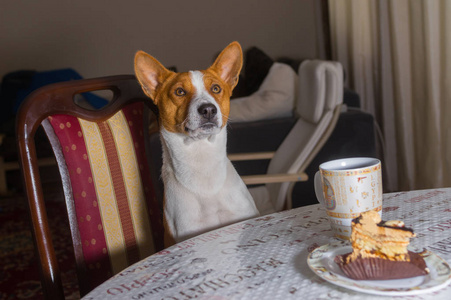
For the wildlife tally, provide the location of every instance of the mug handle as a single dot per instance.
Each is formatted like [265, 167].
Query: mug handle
[319, 188]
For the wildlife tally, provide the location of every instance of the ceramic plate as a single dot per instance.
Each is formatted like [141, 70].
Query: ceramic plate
[321, 261]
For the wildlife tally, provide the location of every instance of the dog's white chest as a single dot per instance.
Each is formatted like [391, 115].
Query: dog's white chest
[199, 166]
[202, 189]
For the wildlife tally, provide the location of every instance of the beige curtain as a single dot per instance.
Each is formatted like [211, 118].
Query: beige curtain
[397, 55]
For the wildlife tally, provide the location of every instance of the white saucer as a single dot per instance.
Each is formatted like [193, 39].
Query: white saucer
[321, 261]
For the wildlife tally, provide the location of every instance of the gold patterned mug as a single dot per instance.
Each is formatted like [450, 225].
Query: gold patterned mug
[347, 187]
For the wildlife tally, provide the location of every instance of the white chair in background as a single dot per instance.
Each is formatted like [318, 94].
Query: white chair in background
[318, 106]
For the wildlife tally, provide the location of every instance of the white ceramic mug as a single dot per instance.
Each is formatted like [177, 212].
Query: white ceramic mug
[347, 187]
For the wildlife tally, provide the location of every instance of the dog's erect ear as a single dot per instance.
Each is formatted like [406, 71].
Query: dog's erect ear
[150, 73]
[228, 64]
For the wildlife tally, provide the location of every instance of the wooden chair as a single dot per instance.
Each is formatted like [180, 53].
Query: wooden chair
[115, 219]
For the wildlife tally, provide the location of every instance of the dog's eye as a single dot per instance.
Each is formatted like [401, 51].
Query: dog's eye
[180, 92]
[216, 89]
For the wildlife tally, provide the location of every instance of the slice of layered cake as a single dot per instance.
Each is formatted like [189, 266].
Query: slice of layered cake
[379, 250]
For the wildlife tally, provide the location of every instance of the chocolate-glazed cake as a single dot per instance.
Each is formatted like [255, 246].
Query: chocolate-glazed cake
[379, 250]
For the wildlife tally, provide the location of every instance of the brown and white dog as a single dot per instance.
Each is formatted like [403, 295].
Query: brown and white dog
[202, 189]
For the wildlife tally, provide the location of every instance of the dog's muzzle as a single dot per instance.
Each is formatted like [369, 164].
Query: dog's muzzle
[207, 113]
[203, 121]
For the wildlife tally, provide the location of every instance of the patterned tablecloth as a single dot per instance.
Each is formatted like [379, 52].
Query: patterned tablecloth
[266, 258]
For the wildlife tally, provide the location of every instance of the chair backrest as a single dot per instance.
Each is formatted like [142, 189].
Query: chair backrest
[115, 219]
[320, 95]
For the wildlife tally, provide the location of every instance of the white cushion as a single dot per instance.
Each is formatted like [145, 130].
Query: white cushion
[274, 99]
[320, 92]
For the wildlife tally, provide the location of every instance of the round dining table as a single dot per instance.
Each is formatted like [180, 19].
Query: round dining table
[276, 256]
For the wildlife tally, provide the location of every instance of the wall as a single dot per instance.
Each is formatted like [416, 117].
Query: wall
[99, 38]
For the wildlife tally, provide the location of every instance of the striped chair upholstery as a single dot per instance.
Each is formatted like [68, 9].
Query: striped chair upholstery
[114, 216]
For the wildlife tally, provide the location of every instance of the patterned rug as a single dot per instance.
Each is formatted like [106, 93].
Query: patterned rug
[19, 275]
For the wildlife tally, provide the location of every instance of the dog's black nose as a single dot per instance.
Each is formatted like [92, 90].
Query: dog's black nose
[207, 111]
